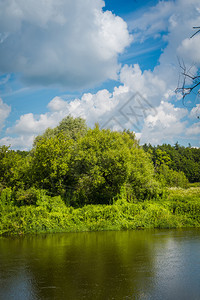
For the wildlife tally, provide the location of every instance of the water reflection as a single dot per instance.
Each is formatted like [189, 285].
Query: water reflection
[102, 265]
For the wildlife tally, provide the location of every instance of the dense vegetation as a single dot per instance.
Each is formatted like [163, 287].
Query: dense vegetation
[177, 158]
[181, 208]
[76, 178]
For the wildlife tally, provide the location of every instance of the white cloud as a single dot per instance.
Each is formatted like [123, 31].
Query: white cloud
[22, 142]
[125, 108]
[69, 43]
[153, 22]
[195, 112]
[193, 130]
[150, 85]
[185, 15]
[107, 36]
[166, 125]
[4, 113]
[176, 19]
[189, 50]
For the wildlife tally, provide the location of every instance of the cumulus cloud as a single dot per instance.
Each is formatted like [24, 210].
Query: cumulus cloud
[29, 123]
[195, 112]
[4, 113]
[193, 130]
[127, 107]
[102, 106]
[22, 142]
[70, 43]
[167, 124]
[143, 101]
[148, 83]
[152, 23]
[189, 49]
[172, 22]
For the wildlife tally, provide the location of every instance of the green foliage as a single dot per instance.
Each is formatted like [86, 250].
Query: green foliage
[172, 178]
[6, 197]
[185, 203]
[50, 214]
[161, 158]
[142, 179]
[74, 128]
[178, 158]
[93, 168]
[104, 161]
[50, 163]
[12, 167]
[28, 197]
[52, 204]
[100, 165]
[77, 179]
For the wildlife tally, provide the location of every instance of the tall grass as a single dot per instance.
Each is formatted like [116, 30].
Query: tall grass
[181, 208]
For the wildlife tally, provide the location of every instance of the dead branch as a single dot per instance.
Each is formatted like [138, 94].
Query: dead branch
[190, 82]
[196, 31]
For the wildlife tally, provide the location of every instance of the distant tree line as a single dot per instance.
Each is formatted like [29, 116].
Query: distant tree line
[177, 158]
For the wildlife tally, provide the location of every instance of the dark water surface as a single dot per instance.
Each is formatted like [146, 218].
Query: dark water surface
[151, 264]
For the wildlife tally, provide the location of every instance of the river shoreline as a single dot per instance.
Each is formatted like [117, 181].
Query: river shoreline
[179, 209]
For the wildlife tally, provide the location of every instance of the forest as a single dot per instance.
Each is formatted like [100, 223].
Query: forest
[77, 179]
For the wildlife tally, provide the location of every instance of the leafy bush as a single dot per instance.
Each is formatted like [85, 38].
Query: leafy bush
[103, 162]
[28, 197]
[6, 197]
[172, 178]
[51, 215]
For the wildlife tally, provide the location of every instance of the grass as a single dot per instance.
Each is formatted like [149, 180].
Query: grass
[180, 208]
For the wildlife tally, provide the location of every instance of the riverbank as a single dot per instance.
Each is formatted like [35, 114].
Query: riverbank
[177, 209]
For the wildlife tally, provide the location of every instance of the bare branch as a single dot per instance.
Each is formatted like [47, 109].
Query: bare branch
[188, 83]
[196, 31]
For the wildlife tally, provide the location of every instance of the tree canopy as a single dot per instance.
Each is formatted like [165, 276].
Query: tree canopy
[94, 166]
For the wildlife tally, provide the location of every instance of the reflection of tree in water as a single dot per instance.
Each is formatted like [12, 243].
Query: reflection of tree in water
[102, 265]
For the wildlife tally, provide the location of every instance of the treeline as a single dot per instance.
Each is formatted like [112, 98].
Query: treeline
[82, 165]
[177, 158]
[78, 178]
[93, 166]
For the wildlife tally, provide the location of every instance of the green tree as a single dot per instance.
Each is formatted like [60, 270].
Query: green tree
[50, 163]
[104, 162]
[161, 157]
[13, 168]
[179, 158]
[172, 178]
[72, 127]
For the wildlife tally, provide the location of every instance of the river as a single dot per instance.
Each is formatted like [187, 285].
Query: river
[149, 264]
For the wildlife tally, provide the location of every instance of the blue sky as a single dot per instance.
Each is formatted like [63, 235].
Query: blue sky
[112, 62]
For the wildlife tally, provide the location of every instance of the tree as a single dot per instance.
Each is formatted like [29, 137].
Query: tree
[90, 165]
[13, 167]
[50, 163]
[161, 157]
[178, 158]
[190, 82]
[172, 178]
[72, 127]
[104, 162]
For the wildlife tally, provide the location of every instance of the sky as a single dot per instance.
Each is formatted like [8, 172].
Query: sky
[116, 63]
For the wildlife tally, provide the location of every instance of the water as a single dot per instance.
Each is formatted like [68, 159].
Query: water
[151, 264]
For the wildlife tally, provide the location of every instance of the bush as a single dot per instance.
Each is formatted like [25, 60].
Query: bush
[28, 197]
[6, 197]
[172, 178]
